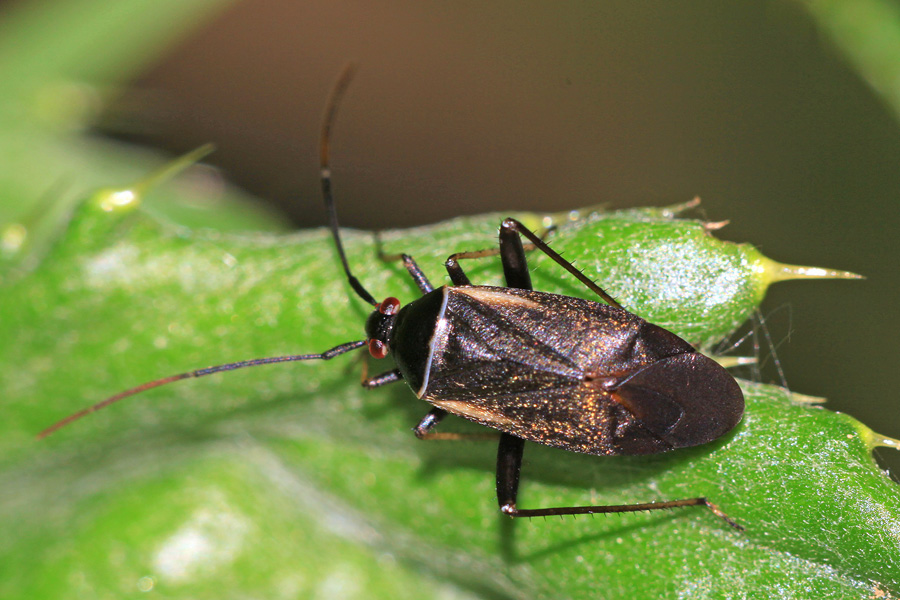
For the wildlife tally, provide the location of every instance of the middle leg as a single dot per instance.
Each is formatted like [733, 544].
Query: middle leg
[512, 255]
[424, 430]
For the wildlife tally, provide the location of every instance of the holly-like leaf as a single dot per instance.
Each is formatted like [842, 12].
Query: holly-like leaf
[290, 480]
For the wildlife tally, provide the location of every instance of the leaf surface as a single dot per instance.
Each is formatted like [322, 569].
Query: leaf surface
[288, 479]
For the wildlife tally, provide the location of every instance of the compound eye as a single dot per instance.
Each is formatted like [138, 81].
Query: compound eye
[377, 348]
[389, 306]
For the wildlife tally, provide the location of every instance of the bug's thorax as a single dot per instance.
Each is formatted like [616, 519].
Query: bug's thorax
[413, 332]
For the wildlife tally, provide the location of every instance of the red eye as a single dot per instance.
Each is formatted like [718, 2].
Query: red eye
[377, 348]
[389, 306]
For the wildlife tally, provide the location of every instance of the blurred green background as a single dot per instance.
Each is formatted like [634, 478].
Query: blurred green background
[466, 108]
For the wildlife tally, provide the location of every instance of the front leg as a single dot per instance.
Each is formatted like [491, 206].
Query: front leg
[424, 430]
[383, 379]
[411, 267]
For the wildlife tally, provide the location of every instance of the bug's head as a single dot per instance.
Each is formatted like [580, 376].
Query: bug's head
[380, 327]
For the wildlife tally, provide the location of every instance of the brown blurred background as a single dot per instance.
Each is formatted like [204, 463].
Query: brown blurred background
[471, 107]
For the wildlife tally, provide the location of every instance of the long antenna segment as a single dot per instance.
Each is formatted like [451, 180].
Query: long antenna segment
[328, 354]
[337, 93]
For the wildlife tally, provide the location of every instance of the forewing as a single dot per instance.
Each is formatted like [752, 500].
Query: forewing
[581, 418]
[575, 374]
[684, 400]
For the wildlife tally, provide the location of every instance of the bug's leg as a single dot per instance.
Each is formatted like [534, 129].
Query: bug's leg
[511, 230]
[408, 263]
[512, 255]
[416, 273]
[383, 379]
[458, 277]
[509, 465]
[429, 422]
[424, 429]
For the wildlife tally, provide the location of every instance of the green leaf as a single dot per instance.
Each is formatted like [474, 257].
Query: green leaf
[291, 481]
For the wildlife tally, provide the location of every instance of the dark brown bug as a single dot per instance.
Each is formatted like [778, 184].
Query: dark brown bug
[575, 374]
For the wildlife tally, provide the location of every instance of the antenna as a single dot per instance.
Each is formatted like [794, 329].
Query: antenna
[327, 123]
[337, 93]
[328, 354]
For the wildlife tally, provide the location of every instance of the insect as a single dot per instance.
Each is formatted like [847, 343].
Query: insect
[574, 374]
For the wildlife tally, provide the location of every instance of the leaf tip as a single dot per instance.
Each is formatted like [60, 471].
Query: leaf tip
[710, 226]
[12, 238]
[774, 272]
[676, 209]
[173, 168]
[125, 199]
[729, 362]
[116, 200]
[808, 400]
[876, 440]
